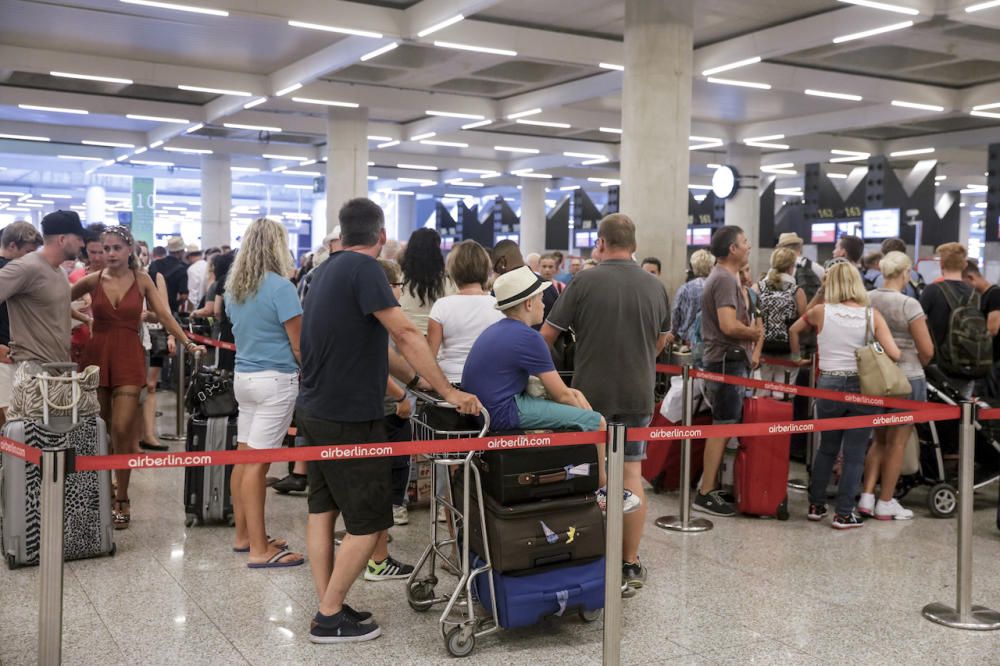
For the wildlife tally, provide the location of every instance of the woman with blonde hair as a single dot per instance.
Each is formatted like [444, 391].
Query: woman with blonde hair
[687, 301]
[782, 301]
[845, 322]
[267, 317]
[908, 323]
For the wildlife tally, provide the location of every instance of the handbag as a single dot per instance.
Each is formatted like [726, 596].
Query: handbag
[211, 394]
[879, 375]
[42, 391]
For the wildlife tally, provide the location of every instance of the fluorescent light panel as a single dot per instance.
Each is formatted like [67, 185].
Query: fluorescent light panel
[91, 77]
[417, 167]
[453, 114]
[612, 66]
[293, 172]
[732, 65]
[884, 6]
[325, 102]
[388, 144]
[515, 149]
[177, 7]
[107, 144]
[421, 137]
[285, 91]
[611, 130]
[916, 105]
[441, 25]
[80, 157]
[192, 151]
[833, 95]
[53, 109]
[481, 123]
[984, 114]
[256, 102]
[24, 137]
[194, 128]
[379, 51]
[157, 119]
[914, 151]
[524, 114]
[477, 49]
[335, 28]
[586, 156]
[257, 128]
[741, 84]
[543, 123]
[276, 156]
[981, 6]
[874, 31]
[445, 144]
[216, 91]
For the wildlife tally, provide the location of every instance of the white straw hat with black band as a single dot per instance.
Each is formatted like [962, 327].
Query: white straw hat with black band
[517, 286]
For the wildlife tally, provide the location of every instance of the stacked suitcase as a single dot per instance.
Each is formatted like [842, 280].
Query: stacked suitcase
[544, 533]
[87, 512]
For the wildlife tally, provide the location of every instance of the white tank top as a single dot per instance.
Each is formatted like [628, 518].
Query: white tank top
[843, 332]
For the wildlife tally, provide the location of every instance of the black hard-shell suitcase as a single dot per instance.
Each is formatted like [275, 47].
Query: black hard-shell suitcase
[206, 489]
[528, 475]
[536, 534]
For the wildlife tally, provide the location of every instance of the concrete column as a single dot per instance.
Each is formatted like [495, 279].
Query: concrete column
[318, 228]
[347, 160]
[95, 204]
[406, 217]
[216, 200]
[532, 215]
[743, 209]
[656, 119]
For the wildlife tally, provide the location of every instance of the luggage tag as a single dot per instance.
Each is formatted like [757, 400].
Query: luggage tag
[562, 596]
[582, 469]
[552, 537]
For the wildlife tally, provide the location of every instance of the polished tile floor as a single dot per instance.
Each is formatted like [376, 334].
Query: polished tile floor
[749, 591]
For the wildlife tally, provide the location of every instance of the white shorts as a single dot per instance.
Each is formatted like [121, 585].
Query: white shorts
[6, 380]
[267, 401]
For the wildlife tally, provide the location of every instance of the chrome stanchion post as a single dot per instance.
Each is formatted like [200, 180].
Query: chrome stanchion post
[683, 522]
[179, 424]
[803, 484]
[964, 615]
[55, 464]
[615, 452]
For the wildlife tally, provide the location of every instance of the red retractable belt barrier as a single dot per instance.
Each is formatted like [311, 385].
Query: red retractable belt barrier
[838, 396]
[19, 450]
[211, 342]
[987, 414]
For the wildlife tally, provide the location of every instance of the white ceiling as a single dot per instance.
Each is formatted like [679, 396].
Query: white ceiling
[949, 58]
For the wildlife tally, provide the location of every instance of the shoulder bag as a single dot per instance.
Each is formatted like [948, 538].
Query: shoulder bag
[879, 374]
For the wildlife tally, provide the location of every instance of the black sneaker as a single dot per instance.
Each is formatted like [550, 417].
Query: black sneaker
[847, 522]
[357, 616]
[387, 569]
[713, 503]
[341, 628]
[293, 483]
[634, 574]
[816, 512]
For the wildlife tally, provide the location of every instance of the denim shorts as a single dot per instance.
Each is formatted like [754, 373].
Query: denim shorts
[635, 451]
[726, 399]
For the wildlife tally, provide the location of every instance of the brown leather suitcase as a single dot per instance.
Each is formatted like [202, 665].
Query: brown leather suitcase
[535, 534]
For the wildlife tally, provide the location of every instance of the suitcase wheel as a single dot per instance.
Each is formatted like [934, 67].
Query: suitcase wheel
[783, 510]
[591, 615]
[11, 561]
[190, 520]
[114, 550]
[461, 641]
[420, 596]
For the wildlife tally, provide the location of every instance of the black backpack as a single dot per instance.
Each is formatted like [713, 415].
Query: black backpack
[806, 278]
[779, 312]
[967, 350]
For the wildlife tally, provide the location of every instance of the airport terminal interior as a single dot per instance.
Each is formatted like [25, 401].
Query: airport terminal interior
[524, 121]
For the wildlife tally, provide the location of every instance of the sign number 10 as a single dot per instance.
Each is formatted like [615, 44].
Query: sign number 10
[143, 200]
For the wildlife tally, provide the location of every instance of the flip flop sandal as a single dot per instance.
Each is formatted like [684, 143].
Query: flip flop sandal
[277, 561]
[120, 520]
[270, 542]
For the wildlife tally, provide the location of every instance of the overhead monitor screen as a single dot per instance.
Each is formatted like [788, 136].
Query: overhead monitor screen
[689, 236]
[849, 229]
[824, 232]
[882, 223]
[583, 239]
[448, 242]
[510, 237]
[701, 237]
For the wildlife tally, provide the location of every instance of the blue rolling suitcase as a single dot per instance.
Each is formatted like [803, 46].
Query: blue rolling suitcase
[525, 598]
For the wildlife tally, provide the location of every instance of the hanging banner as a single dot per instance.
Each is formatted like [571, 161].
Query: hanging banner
[143, 209]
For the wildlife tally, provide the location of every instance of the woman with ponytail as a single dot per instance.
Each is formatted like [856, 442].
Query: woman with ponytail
[117, 293]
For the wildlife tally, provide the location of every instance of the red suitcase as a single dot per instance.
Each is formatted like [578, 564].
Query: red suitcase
[761, 472]
[662, 466]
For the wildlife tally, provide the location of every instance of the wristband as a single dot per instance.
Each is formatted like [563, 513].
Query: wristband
[412, 384]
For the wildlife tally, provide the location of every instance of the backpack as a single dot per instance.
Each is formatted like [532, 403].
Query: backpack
[806, 278]
[968, 347]
[778, 310]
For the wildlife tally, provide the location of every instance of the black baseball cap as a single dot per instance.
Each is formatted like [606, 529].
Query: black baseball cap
[62, 222]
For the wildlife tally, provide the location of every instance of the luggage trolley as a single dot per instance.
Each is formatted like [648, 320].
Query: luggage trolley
[460, 625]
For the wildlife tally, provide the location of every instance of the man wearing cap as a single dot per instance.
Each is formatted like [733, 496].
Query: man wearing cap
[197, 271]
[37, 293]
[808, 283]
[174, 272]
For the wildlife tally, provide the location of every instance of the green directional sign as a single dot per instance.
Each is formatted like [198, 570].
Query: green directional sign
[143, 209]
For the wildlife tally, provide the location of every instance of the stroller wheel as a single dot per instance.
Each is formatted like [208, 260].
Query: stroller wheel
[942, 500]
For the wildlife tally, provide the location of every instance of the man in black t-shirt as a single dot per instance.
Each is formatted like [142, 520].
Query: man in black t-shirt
[174, 270]
[17, 240]
[347, 321]
[953, 258]
[989, 298]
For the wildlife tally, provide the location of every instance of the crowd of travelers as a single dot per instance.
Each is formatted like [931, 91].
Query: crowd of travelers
[337, 344]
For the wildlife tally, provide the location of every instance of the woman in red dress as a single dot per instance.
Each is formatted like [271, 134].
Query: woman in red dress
[117, 295]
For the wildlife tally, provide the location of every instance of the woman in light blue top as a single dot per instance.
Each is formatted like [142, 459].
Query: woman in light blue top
[267, 317]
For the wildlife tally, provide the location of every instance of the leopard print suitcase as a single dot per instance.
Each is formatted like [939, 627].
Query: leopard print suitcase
[87, 530]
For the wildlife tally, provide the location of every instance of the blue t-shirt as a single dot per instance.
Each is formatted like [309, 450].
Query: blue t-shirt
[259, 326]
[345, 357]
[498, 366]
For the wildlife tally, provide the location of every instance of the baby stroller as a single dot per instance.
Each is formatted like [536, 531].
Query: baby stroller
[938, 451]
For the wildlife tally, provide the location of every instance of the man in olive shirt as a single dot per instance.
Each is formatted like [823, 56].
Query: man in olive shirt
[37, 293]
[621, 316]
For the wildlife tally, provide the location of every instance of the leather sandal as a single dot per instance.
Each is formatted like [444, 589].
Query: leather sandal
[119, 518]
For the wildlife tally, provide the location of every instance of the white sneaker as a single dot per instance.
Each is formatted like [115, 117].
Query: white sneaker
[400, 516]
[630, 501]
[866, 505]
[892, 510]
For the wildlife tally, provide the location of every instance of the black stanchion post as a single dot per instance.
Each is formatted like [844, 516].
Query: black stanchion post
[684, 522]
[615, 452]
[803, 484]
[964, 615]
[55, 464]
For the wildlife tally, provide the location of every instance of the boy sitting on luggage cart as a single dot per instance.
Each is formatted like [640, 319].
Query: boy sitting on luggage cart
[510, 351]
